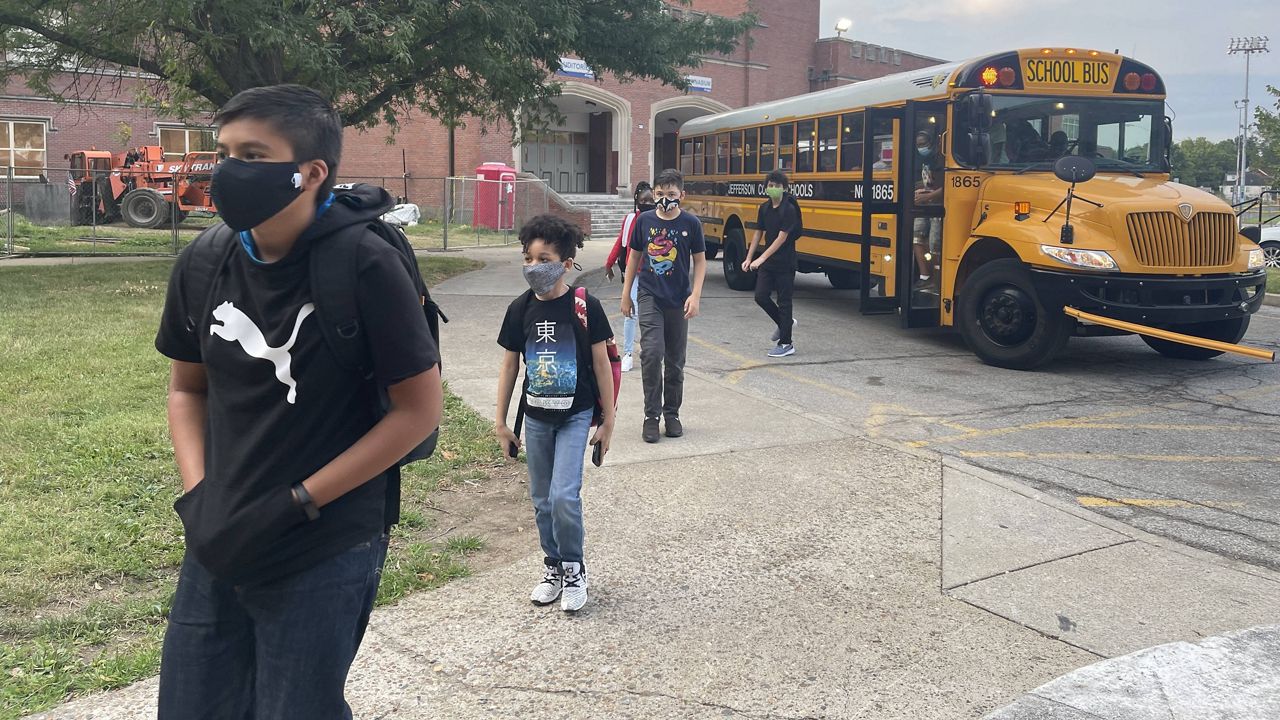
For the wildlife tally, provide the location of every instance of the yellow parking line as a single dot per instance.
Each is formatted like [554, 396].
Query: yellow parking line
[1040, 425]
[746, 364]
[1022, 455]
[1158, 426]
[1094, 502]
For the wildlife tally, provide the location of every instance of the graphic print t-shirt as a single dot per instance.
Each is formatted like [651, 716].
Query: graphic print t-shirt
[280, 406]
[559, 375]
[774, 220]
[666, 250]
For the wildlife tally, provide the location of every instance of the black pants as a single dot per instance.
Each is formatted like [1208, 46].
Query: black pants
[782, 282]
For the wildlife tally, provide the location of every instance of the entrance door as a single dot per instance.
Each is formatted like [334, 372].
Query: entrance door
[880, 206]
[919, 242]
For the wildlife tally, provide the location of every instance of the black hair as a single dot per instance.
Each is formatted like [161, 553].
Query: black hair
[301, 115]
[776, 176]
[670, 177]
[565, 236]
[642, 187]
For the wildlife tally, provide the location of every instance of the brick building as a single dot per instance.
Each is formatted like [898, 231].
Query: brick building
[612, 136]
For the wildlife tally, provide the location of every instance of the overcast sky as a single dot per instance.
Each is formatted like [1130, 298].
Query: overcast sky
[1184, 40]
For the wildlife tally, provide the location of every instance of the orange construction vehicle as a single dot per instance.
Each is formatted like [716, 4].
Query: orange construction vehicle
[140, 186]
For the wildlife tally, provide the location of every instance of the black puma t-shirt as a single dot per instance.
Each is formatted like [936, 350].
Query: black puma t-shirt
[280, 407]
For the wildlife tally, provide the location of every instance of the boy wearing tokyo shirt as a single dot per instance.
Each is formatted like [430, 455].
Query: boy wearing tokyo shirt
[670, 265]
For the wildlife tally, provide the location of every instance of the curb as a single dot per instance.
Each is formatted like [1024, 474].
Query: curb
[1272, 299]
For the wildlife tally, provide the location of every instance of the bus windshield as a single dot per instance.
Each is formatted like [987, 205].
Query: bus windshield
[1030, 133]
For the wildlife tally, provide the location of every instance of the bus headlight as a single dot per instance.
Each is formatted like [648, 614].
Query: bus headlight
[1091, 259]
[1257, 259]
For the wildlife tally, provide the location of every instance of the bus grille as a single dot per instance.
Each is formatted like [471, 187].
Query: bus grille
[1163, 239]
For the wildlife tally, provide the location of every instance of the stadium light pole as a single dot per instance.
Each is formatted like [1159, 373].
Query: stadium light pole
[1246, 46]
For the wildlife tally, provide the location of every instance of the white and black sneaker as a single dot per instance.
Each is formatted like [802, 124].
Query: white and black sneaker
[574, 577]
[548, 590]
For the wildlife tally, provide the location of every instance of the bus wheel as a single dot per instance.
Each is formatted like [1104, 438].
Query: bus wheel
[1003, 321]
[1221, 330]
[712, 251]
[844, 279]
[733, 253]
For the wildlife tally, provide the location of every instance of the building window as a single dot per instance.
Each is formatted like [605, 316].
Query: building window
[897, 57]
[22, 147]
[884, 54]
[828, 143]
[752, 144]
[851, 142]
[767, 149]
[178, 141]
[856, 51]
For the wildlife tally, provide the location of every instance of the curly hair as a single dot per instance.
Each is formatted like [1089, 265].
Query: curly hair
[561, 234]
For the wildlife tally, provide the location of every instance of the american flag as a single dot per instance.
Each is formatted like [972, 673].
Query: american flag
[71, 184]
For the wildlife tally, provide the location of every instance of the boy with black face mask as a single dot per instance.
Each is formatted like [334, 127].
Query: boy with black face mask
[567, 372]
[670, 263]
[290, 476]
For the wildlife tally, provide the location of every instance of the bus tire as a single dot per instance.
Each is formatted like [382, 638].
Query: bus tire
[844, 279]
[1221, 330]
[734, 252]
[712, 251]
[1003, 320]
[145, 208]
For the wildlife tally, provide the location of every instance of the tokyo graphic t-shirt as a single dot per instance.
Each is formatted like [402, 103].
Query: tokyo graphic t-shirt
[559, 376]
[666, 255]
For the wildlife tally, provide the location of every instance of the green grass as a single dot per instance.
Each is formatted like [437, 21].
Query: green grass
[1273, 281]
[89, 542]
[429, 235]
[107, 239]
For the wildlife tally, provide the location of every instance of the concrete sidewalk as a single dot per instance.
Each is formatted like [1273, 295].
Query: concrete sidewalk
[773, 564]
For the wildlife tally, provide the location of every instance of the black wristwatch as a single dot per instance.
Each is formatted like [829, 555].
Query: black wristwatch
[302, 499]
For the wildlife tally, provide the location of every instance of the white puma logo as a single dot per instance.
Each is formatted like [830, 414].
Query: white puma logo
[237, 327]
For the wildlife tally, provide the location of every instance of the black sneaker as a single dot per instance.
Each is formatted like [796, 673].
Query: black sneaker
[674, 428]
[650, 433]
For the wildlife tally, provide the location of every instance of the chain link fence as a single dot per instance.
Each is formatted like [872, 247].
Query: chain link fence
[69, 210]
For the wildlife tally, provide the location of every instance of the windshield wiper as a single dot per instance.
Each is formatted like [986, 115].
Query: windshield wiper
[1033, 166]
[1121, 165]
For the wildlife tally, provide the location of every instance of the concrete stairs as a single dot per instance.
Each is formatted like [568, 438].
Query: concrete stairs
[607, 213]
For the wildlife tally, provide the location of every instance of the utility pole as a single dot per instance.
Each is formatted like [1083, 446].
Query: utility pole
[1246, 46]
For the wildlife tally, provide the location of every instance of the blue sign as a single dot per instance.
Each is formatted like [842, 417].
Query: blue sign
[573, 67]
[698, 83]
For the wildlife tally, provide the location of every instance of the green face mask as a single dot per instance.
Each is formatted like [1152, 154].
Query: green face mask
[774, 193]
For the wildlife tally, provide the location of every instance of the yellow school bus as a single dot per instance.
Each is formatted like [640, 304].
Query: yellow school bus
[1022, 197]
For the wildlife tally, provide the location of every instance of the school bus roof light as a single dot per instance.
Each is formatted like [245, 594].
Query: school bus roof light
[989, 76]
[1046, 51]
[1094, 53]
[1148, 82]
[1071, 51]
[1132, 81]
[1007, 76]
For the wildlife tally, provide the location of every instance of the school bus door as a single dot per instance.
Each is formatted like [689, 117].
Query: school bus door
[919, 241]
[881, 203]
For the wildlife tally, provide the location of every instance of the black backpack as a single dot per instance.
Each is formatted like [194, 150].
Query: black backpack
[332, 267]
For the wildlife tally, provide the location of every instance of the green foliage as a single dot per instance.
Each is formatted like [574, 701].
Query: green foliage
[1200, 162]
[486, 59]
[1267, 158]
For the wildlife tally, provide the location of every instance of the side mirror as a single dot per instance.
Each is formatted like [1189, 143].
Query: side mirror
[975, 108]
[1074, 169]
[980, 149]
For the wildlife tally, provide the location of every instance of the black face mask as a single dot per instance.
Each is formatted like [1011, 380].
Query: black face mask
[645, 207]
[248, 194]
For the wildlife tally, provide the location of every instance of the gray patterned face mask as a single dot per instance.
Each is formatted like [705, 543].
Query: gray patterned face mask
[542, 278]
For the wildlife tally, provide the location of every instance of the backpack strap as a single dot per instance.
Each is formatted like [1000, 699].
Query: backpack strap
[580, 309]
[206, 256]
[334, 272]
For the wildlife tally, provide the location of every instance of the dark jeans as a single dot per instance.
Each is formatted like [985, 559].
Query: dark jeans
[275, 651]
[783, 282]
[664, 340]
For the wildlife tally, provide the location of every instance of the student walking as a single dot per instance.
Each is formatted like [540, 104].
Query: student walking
[669, 263]
[289, 470]
[618, 256]
[777, 220]
[567, 372]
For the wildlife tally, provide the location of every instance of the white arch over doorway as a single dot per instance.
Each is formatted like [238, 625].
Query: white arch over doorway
[680, 101]
[620, 109]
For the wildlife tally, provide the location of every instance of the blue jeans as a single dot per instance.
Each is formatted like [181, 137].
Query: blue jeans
[275, 651]
[630, 324]
[554, 452]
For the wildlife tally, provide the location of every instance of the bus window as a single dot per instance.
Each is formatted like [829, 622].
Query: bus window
[751, 140]
[722, 154]
[828, 143]
[735, 152]
[851, 142]
[686, 157]
[786, 147]
[767, 149]
[882, 144]
[709, 152]
[697, 156]
[806, 139]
